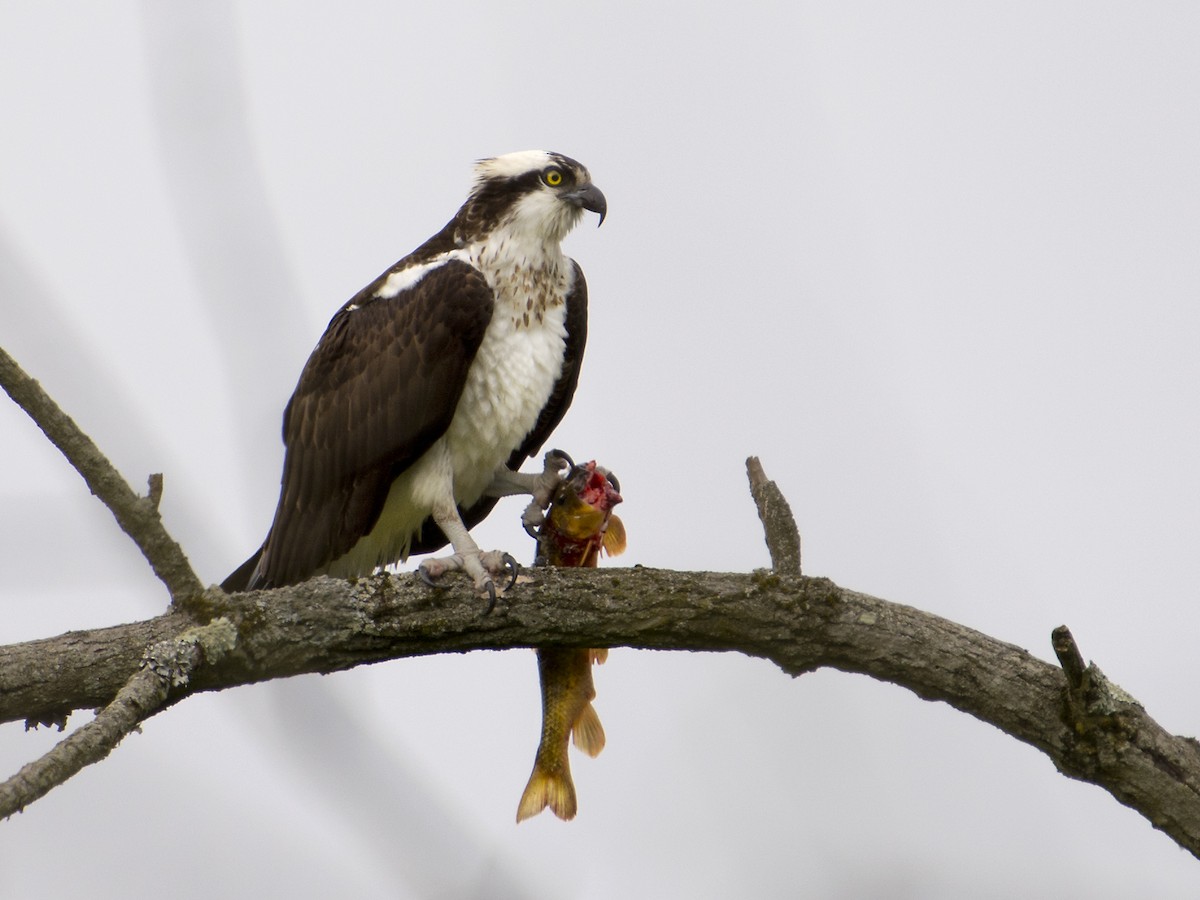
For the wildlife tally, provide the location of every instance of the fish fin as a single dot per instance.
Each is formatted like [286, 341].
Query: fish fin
[614, 537]
[587, 732]
[554, 790]
[599, 654]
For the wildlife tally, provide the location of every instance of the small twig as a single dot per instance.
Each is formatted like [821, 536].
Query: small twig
[154, 488]
[137, 516]
[166, 665]
[1069, 658]
[783, 537]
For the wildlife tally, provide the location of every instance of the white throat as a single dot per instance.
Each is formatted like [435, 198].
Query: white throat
[526, 269]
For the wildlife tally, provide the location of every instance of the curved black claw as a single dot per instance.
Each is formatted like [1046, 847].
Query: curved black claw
[426, 577]
[513, 567]
[564, 455]
[531, 530]
[491, 592]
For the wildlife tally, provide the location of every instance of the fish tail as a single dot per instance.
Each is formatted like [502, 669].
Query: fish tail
[552, 789]
[587, 732]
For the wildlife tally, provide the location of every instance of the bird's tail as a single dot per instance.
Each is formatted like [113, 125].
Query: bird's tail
[239, 578]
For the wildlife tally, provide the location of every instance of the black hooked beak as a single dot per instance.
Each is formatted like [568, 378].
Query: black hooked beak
[590, 198]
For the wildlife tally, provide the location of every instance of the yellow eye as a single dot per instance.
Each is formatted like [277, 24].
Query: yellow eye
[552, 177]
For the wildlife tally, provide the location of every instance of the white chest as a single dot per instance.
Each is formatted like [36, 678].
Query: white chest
[514, 372]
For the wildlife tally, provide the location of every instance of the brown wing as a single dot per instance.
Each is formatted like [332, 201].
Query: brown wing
[381, 386]
[431, 537]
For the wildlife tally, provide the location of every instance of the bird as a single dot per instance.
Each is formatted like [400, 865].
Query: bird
[433, 384]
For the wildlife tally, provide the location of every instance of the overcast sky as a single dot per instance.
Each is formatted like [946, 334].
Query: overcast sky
[935, 263]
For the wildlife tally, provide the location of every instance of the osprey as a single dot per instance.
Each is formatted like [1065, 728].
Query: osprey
[433, 384]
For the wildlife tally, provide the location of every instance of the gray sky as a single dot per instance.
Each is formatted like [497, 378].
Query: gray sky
[935, 263]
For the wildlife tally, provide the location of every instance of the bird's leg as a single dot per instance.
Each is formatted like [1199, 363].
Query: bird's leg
[540, 486]
[467, 556]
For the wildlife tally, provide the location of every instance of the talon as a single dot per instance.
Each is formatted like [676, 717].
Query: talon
[532, 519]
[480, 567]
[491, 592]
[512, 566]
[563, 455]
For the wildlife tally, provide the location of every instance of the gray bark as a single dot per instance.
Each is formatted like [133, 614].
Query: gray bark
[1092, 731]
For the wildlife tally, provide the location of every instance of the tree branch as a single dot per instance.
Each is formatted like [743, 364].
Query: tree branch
[801, 624]
[137, 516]
[779, 526]
[166, 665]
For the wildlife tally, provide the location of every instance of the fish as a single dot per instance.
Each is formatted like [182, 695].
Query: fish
[578, 527]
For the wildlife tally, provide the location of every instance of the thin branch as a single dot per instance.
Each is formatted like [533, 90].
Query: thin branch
[154, 489]
[783, 537]
[137, 516]
[166, 666]
[1069, 658]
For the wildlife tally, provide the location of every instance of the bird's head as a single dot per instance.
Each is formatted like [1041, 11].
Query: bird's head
[532, 192]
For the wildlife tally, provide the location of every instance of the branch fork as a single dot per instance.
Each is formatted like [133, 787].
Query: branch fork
[166, 666]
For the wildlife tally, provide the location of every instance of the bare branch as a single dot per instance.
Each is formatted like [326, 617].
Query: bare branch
[783, 537]
[167, 665]
[801, 624]
[1069, 657]
[154, 489]
[137, 516]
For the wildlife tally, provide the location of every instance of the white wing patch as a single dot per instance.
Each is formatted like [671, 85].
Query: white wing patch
[397, 282]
